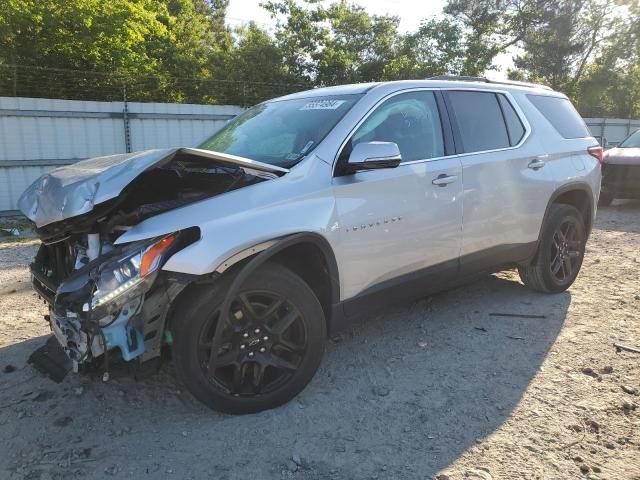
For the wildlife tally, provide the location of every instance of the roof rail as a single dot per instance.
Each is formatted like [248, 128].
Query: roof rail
[486, 80]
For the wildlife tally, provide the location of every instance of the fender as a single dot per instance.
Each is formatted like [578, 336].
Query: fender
[569, 187]
[300, 201]
[268, 249]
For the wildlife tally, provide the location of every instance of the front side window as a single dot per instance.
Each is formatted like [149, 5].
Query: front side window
[480, 121]
[283, 131]
[411, 120]
[632, 141]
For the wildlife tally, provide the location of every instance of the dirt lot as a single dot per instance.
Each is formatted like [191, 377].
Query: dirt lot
[436, 389]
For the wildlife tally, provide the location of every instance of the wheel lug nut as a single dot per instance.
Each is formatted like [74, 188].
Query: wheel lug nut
[257, 330]
[251, 354]
[262, 349]
[265, 338]
[242, 347]
[245, 335]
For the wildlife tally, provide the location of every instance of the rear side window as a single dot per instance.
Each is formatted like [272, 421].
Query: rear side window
[515, 129]
[480, 121]
[561, 114]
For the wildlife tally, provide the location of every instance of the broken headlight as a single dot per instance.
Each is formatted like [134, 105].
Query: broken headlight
[129, 275]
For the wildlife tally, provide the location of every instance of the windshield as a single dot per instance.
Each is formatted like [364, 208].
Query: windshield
[281, 132]
[632, 141]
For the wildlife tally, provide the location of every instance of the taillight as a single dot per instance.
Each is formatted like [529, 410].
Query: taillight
[596, 152]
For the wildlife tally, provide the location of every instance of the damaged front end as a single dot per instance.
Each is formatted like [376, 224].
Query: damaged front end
[118, 299]
[103, 295]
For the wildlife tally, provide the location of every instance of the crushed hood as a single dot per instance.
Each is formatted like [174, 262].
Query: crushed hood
[622, 156]
[76, 189]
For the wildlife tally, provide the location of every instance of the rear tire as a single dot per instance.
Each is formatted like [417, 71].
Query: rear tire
[270, 349]
[560, 251]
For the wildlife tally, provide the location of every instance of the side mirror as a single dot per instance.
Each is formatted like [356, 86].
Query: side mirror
[372, 156]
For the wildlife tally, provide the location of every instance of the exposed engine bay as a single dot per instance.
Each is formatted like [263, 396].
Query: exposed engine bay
[102, 295]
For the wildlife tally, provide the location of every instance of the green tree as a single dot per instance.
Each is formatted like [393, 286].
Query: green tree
[436, 48]
[147, 43]
[299, 35]
[254, 70]
[570, 34]
[610, 84]
[491, 27]
[357, 46]
[338, 43]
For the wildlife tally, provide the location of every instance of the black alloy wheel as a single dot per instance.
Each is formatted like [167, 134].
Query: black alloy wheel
[268, 350]
[262, 347]
[566, 250]
[560, 251]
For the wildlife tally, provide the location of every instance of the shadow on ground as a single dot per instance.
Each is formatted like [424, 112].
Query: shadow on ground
[402, 396]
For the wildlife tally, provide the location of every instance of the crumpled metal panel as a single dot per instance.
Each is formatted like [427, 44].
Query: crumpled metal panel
[75, 189]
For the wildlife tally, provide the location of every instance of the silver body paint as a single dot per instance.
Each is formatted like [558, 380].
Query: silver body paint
[380, 224]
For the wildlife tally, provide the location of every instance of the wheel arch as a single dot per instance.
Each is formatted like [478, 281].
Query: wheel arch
[309, 255]
[577, 194]
[311, 258]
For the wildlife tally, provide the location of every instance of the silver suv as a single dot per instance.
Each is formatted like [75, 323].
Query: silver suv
[305, 211]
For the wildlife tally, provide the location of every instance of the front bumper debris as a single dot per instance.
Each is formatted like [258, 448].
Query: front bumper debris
[137, 331]
[51, 360]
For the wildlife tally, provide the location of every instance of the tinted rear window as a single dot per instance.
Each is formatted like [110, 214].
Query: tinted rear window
[480, 121]
[561, 114]
[514, 124]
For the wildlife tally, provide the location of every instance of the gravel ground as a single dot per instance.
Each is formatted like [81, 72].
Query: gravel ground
[435, 389]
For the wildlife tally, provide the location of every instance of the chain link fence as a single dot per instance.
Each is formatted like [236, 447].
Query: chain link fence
[41, 82]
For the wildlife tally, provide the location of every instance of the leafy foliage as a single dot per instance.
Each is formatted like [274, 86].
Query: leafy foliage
[587, 49]
[182, 51]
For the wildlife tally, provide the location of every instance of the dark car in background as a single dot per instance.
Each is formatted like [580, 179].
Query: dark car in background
[621, 171]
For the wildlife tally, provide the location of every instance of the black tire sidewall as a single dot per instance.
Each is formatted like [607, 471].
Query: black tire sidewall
[558, 215]
[206, 299]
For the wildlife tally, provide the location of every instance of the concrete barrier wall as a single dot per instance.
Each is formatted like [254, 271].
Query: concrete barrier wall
[611, 131]
[37, 135]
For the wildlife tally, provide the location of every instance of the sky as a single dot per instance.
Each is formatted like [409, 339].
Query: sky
[411, 12]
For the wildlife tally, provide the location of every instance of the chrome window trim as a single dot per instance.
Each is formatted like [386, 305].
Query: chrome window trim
[506, 93]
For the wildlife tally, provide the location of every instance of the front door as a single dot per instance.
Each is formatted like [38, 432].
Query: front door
[399, 223]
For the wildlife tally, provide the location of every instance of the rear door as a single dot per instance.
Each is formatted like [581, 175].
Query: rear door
[506, 187]
[395, 224]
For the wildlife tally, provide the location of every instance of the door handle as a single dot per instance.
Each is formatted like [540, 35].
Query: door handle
[443, 180]
[536, 164]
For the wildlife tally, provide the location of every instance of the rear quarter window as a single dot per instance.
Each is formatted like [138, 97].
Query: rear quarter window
[561, 115]
[514, 124]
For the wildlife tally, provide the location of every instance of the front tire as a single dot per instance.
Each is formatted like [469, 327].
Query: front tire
[270, 348]
[560, 252]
